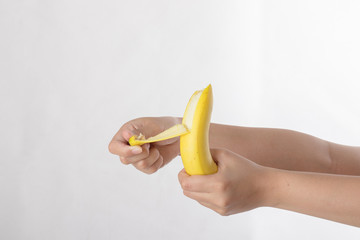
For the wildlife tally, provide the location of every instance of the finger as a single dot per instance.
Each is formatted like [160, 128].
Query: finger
[127, 135]
[149, 161]
[211, 206]
[200, 197]
[121, 148]
[221, 157]
[207, 200]
[141, 156]
[218, 154]
[182, 176]
[156, 165]
[144, 154]
[221, 211]
[196, 183]
[119, 143]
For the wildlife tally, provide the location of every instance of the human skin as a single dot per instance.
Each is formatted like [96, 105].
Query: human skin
[258, 167]
[147, 158]
[241, 185]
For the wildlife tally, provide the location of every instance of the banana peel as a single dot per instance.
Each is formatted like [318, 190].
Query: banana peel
[174, 131]
[193, 132]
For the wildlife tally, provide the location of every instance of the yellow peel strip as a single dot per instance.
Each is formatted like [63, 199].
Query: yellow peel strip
[174, 131]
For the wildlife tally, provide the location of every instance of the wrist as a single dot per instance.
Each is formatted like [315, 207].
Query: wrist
[269, 187]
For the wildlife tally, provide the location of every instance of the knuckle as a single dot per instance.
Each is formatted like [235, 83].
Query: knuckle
[180, 177]
[143, 164]
[223, 212]
[223, 153]
[222, 185]
[151, 169]
[223, 203]
[124, 161]
[111, 147]
[186, 185]
[157, 154]
[154, 153]
[160, 162]
[219, 153]
[126, 153]
[186, 193]
[146, 150]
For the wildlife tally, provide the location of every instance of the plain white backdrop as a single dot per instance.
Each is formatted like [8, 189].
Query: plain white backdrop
[73, 71]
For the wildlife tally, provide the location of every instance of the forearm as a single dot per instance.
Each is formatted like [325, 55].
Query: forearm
[277, 148]
[345, 159]
[286, 149]
[332, 197]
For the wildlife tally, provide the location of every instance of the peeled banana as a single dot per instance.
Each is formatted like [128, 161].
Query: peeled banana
[193, 132]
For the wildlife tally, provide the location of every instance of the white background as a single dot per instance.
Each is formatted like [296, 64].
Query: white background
[73, 71]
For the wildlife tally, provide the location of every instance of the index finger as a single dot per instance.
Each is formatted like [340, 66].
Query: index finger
[196, 183]
[119, 145]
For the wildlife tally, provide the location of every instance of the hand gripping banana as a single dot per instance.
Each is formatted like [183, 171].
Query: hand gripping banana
[193, 132]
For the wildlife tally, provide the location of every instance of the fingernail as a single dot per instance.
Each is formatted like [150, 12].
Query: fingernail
[136, 149]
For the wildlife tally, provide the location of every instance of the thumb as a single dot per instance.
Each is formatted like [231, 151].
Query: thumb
[127, 134]
[220, 156]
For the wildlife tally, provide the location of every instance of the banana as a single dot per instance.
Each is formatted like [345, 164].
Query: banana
[193, 132]
[174, 131]
[194, 147]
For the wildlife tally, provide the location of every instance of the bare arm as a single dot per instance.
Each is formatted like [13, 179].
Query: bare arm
[328, 196]
[241, 185]
[277, 148]
[286, 149]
